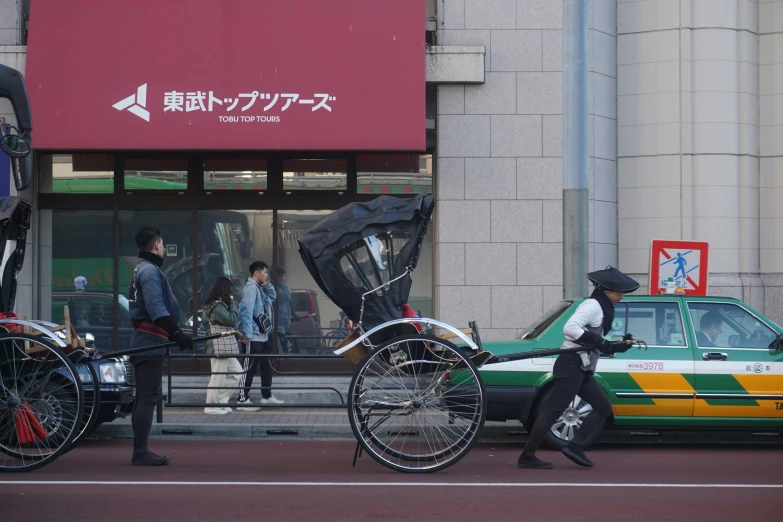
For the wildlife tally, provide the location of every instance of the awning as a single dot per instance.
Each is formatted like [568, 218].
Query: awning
[218, 75]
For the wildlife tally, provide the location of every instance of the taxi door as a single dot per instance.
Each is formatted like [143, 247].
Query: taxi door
[739, 370]
[655, 382]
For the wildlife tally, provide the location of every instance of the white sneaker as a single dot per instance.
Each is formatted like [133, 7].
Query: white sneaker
[215, 411]
[228, 409]
[247, 408]
[272, 400]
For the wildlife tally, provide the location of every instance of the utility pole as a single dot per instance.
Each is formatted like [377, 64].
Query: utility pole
[575, 141]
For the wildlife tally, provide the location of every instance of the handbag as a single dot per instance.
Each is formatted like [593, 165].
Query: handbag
[227, 345]
[262, 320]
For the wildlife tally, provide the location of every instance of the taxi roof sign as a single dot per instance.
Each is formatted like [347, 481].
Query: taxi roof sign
[686, 262]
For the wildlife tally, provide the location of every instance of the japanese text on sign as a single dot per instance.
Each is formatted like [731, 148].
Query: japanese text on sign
[207, 101]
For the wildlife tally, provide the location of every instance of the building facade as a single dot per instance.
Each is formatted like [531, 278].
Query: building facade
[685, 142]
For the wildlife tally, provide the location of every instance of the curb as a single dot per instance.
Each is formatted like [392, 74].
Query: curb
[171, 431]
[497, 433]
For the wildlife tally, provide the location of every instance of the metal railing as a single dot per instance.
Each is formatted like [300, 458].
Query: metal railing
[168, 401]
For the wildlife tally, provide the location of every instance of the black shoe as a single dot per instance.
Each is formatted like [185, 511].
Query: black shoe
[576, 454]
[149, 459]
[533, 462]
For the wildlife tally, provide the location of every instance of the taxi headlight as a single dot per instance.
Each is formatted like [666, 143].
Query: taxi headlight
[113, 372]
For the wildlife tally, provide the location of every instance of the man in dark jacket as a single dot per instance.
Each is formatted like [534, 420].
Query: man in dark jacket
[710, 329]
[283, 309]
[154, 312]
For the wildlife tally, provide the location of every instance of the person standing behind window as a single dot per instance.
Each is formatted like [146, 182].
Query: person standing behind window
[283, 309]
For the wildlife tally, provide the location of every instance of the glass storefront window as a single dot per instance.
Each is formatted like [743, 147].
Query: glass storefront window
[394, 173]
[315, 321]
[82, 268]
[315, 174]
[176, 228]
[77, 173]
[229, 241]
[420, 298]
[155, 174]
[235, 175]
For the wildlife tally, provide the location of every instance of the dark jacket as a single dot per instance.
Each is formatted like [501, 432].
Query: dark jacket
[283, 307]
[150, 298]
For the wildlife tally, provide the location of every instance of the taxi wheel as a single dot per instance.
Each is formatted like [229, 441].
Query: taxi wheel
[564, 428]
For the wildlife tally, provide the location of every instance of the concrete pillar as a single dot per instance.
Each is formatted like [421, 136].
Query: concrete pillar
[688, 129]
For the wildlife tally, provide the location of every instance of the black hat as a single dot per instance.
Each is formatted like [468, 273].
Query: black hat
[612, 279]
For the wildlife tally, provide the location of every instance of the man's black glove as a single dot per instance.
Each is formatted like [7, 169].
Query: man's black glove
[183, 341]
[175, 334]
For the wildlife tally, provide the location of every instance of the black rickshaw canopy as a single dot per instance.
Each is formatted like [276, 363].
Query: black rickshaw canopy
[367, 246]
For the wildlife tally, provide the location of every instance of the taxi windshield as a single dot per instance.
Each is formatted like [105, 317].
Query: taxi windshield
[542, 323]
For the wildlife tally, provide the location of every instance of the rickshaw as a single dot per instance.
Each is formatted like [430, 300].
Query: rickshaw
[416, 402]
[402, 403]
[44, 403]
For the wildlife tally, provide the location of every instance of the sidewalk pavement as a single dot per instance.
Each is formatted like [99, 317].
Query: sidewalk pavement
[315, 414]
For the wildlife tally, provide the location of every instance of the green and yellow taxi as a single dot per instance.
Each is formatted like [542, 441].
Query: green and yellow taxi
[711, 362]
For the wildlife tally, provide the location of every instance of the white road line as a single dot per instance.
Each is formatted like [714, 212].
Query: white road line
[385, 484]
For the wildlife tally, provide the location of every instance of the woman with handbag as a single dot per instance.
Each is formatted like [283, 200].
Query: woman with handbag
[219, 316]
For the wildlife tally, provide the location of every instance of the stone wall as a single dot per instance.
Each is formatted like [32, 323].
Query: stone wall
[499, 185]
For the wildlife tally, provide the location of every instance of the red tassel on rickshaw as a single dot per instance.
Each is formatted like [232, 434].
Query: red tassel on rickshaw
[28, 429]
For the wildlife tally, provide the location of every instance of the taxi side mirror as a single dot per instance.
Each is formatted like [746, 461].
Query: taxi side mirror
[777, 344]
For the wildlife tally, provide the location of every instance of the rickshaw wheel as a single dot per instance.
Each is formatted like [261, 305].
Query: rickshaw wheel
[92, 405]
[417, 404]
[41, 402]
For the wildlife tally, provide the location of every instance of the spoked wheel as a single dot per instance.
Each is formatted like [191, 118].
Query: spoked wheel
[41, 402]
[92, 404]
[417, 404]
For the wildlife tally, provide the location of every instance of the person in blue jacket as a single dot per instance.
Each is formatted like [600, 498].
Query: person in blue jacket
[154, 312]
[255, 324]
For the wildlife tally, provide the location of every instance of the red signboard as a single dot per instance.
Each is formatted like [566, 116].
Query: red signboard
[684, 263]
[227, 75]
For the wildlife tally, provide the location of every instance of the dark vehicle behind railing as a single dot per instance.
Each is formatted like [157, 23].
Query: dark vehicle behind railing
[305, 329]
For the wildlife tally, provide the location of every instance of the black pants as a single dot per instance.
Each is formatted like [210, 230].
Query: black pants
[570, 380]
[249, 366]
[149, 372]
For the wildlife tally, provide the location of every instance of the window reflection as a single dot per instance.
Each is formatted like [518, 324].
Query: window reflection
[235, 175]
[315, 174]
[229, 241]
[311, 329]
[394, 173]
[81, 276]
[77, 173]
[155, 174]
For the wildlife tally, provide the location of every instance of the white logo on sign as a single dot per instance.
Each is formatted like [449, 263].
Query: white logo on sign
[135, 103]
